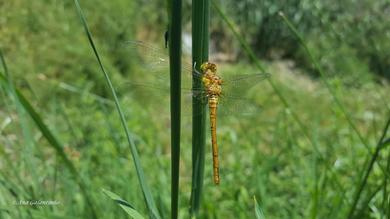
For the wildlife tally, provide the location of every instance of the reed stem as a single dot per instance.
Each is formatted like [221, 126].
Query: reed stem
[200, 52]
[175, 71]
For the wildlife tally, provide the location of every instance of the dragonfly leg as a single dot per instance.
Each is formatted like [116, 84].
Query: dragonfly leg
[194, 69]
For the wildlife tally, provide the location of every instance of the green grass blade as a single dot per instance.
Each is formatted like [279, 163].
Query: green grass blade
[54, 143]
[314, 202]
[140, 173]
[258, 211]
[386, 199]
[128, 208]
[175, 70]
[200, 44]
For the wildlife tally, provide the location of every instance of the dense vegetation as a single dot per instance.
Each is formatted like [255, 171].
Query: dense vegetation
[304, 155]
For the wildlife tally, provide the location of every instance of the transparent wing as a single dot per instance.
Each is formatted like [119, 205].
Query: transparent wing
[235, 99]
[155, 60]
[238, 107]
[228, 105]
[237, 86]
[157, 93]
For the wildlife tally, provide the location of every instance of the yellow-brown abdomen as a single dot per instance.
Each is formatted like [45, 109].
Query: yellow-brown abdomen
[213, 102]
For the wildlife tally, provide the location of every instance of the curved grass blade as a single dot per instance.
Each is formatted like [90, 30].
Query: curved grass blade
[258, 211]
[140, 173]
[128, 208]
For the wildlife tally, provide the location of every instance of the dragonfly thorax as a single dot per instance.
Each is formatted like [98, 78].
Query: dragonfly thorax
[211, 80]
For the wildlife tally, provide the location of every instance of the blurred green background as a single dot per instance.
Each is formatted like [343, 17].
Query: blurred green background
[309, 171]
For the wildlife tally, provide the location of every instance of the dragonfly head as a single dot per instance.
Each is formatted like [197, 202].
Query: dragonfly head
[208, 66]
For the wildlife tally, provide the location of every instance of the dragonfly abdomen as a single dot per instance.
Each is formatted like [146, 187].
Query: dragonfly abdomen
[213, 102]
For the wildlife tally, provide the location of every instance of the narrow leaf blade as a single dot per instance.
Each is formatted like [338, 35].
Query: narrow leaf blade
[127, 207]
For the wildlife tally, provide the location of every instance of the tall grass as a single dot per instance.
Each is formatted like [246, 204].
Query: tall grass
[153, 213]
[200, 53]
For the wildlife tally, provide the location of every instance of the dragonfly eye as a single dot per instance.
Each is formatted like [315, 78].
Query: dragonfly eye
[208, 66]
[213, 67]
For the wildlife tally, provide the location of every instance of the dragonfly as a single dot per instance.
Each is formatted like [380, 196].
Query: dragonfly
[222, 95]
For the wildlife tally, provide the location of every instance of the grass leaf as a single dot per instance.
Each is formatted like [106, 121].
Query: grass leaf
[141, 176]
[258, 211]
[128, 208]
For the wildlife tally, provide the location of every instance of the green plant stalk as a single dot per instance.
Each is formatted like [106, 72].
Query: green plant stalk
[386, 201]
[175, 76]
[153, 213]
[200, 45]
[315, 193]
[115, 138]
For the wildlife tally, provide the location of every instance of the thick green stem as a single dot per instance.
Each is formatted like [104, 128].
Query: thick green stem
[175, 68]
[200, 44]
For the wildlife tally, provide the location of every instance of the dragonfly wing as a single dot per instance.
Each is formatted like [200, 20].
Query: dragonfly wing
[187, 99]
[156, 61]
[235, 90]
[237, 86]
[229, 106]
[152, 58]
[147, 93]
